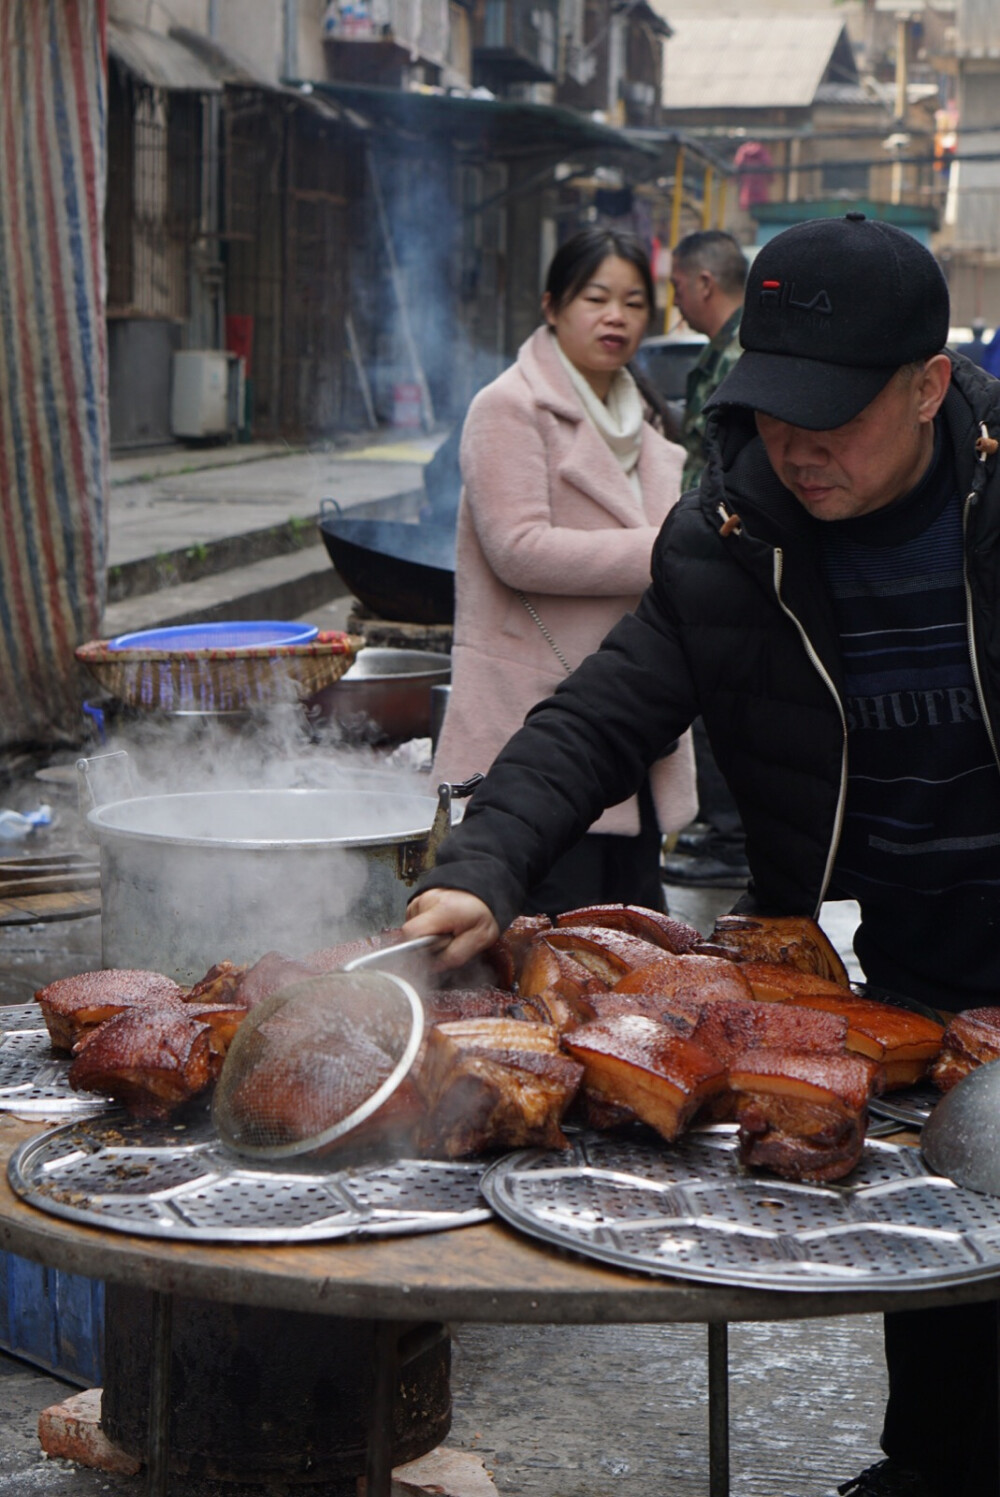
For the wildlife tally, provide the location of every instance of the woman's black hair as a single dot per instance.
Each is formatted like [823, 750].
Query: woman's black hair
[575, 262]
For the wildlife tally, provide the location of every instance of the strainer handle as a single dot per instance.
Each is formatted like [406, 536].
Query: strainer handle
[375, 958]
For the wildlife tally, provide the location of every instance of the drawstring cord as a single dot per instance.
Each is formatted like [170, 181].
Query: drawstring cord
[986, 446]
[730, 523]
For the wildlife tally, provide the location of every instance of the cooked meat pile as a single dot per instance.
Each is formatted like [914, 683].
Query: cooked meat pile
[971, 1039]
[613, 1015]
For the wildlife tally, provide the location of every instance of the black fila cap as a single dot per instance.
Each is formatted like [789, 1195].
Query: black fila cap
[833, 307]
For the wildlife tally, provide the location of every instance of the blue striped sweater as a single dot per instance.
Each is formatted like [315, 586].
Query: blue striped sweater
[920, 846]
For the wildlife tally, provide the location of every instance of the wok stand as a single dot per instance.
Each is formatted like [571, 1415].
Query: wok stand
[394, 1347]
[392, 1351]
[486, 1273]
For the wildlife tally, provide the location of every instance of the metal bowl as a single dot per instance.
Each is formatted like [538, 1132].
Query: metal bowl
[386, 694]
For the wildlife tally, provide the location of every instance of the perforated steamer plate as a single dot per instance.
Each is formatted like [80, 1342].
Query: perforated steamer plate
[177, 1180]
[913, 1106]
[33, 1077]
[689, 1210]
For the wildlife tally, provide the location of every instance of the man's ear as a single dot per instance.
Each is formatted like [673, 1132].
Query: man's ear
[933, 386]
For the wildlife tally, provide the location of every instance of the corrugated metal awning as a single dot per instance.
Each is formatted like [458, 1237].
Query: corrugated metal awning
[189, 61]
[159, 61]
[502, 126]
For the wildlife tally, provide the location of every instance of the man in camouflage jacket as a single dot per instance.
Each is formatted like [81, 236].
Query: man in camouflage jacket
[708, 274]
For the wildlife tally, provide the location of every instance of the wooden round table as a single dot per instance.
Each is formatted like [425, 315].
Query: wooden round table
[487, 1273]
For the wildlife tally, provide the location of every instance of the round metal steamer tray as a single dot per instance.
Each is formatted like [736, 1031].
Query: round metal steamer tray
[912, 1106]
[176, 1180]
[690, 1211]
[33, 1077]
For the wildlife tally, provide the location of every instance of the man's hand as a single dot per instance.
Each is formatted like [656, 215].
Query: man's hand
[462, 917]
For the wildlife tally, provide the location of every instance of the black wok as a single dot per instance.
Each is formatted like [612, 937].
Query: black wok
[402, 572]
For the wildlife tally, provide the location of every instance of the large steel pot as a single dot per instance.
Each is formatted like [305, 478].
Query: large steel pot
[386, 694]
[191, 879]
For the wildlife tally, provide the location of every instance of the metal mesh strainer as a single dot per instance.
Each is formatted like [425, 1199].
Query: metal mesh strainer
[317, 1060]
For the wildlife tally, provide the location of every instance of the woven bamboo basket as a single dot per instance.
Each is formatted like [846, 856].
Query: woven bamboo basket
[220, 680]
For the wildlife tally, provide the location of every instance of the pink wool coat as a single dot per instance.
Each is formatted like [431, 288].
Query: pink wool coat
[547, 509]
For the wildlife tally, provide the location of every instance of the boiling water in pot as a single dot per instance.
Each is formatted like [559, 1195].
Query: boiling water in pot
[191, 879]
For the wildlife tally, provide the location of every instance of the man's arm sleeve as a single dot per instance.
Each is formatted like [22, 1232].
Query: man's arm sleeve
[586, 747]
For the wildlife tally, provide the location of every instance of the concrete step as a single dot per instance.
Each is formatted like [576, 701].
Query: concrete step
[281, 571]
[191, 563]
[277, 587]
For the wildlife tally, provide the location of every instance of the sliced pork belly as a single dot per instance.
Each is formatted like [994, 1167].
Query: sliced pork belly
[223, 1019]
[730, 1027]
[74, 1005]
[609, 954]
[802, 1116]
[652, 925]
[794, 940]
[151, 1060]
[679, 1014]
[702, 978]
[273, 972]
[545, 967]
[776, 982]
[636, 1063]
[902, 1042]
[494, 1084]
[508, 952]
[219, 985]
[971, 1039]
[448, 1004]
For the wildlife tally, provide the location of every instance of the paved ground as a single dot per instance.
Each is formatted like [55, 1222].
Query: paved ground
[163, 502]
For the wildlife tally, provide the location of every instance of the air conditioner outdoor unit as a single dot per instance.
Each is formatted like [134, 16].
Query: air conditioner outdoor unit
[207, 396]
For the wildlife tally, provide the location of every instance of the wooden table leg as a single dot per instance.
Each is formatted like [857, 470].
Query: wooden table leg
[157, 1456]
[718, 1409]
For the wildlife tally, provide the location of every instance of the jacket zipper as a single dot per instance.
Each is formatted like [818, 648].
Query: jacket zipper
[779, 560]
[970, 626]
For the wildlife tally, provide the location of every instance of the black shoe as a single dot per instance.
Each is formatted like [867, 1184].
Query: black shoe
[705, 872]
[693, 839]
[886, 1479]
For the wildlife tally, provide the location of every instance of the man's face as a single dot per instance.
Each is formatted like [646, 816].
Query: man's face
[870, 461]
[689, 295]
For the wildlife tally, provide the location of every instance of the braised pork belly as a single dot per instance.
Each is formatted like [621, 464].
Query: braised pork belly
[701, 978]
[971, 1039]
[903, 1043]
[633, 1062]
[802, 1116]
[776, 982]
[494, 1084]
[793, 940]
[149, 1059]
[651, 925]
[74, 1005]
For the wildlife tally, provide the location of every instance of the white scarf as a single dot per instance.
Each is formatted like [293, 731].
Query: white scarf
[619, 419]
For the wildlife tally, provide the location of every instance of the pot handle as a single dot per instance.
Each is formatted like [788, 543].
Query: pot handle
[441, 825]
[104, 778]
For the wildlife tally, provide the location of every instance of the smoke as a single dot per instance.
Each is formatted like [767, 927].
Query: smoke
[229, 838]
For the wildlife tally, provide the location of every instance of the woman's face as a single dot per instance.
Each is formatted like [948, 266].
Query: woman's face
[601, 328]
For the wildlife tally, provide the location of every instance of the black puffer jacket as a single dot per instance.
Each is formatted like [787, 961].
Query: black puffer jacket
[736, 626]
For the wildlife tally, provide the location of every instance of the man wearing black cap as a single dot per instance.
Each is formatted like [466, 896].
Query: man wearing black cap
[827, 600]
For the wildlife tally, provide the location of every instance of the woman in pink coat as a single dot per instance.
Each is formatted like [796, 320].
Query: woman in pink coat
[565, 486]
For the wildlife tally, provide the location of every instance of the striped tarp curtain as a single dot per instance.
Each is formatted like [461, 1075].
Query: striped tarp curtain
[53, 375]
